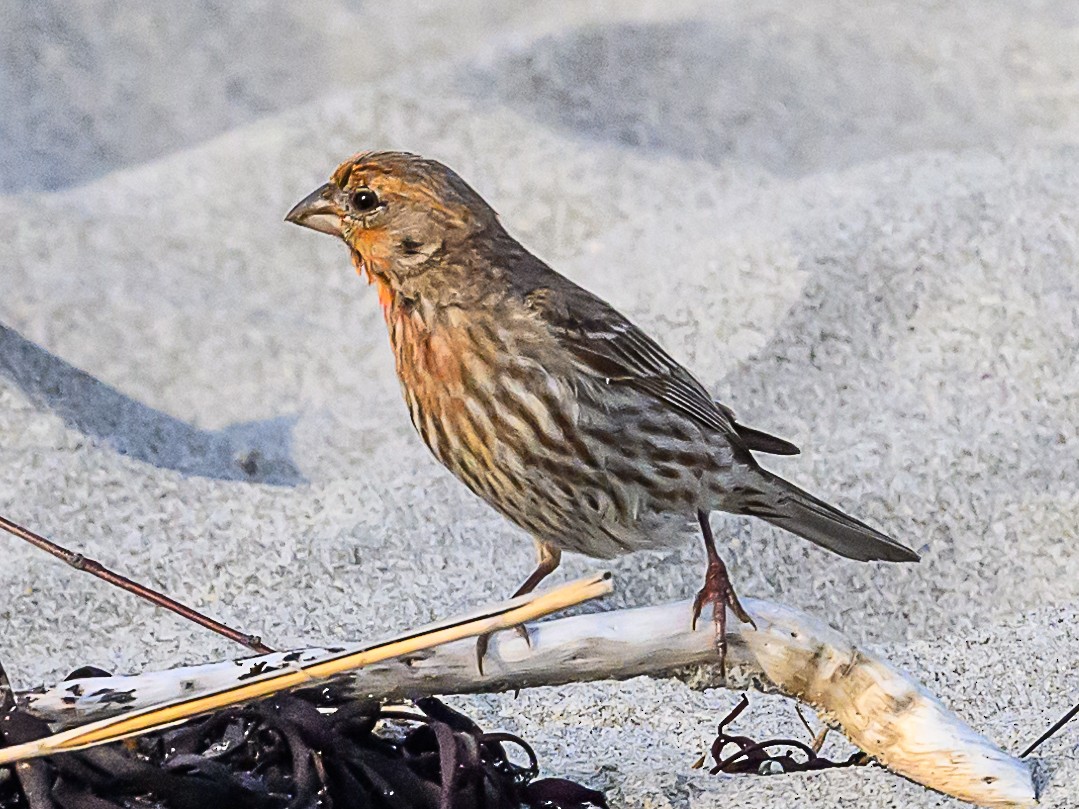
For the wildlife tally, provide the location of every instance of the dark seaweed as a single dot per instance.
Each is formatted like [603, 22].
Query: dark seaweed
[308, 748]
[753, 757]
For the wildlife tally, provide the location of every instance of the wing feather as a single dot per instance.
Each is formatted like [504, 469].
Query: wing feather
[605, 345]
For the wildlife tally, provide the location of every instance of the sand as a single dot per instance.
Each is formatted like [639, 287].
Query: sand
[857, 226]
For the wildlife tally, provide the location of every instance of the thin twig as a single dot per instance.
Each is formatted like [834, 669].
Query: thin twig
[1057, 726]
[30, 774]
[818, 736]
[7, 693]
[80, 562]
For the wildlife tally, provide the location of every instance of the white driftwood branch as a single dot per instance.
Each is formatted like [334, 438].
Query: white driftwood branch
[261, 681]
[880, 709]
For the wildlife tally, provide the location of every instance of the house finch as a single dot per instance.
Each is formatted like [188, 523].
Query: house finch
[545, 401]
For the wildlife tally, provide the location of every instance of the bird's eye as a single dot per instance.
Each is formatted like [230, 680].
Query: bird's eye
[364, 200]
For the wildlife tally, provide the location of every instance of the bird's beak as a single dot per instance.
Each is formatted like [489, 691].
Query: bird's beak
[317, 211]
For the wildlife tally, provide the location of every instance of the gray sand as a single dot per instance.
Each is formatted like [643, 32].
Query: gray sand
[858, 227]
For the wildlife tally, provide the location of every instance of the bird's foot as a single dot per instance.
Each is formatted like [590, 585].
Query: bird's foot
[719, 592]
[484, 640]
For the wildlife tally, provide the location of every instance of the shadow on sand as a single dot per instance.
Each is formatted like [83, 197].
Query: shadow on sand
[256, 451]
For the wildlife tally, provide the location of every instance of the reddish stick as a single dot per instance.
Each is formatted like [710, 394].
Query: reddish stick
[80, 562]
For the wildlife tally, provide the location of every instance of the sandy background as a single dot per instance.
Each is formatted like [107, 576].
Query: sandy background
[859, 227]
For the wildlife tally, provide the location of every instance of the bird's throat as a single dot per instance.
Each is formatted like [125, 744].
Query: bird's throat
[382, 284]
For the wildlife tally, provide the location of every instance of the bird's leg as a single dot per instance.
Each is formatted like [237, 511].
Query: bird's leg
[717, 591]
[548, 558]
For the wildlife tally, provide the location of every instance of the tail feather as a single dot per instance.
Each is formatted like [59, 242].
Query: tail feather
[785, 505]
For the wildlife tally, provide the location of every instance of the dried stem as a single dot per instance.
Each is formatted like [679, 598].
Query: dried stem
[31, 774]
[1069, 716]
[95, 568]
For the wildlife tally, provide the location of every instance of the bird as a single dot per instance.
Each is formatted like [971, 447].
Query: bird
[544, 400]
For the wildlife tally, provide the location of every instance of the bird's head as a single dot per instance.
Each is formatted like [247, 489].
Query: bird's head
[400, 213]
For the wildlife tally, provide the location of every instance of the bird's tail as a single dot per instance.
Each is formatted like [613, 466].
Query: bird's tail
[785, 505]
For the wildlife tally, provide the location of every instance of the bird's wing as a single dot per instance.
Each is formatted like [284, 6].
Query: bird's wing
[605, 345]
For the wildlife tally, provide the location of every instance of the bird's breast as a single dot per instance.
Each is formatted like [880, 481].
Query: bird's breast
[442, 368]
[502, 412]
[482, 399]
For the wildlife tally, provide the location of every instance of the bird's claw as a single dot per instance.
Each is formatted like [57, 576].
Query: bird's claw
[483, 641]
[719, 592]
